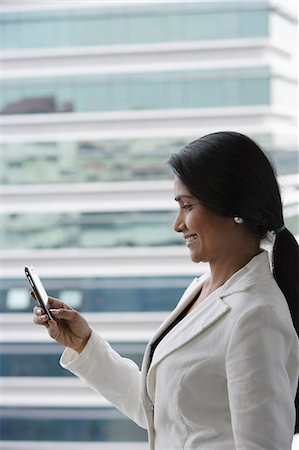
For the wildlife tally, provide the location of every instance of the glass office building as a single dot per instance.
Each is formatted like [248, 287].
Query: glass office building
[130, 25]
[95, 98]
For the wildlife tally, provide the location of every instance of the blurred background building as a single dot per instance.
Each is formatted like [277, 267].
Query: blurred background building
[95, 97]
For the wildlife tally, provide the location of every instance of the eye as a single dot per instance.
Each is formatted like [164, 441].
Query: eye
[187, 207]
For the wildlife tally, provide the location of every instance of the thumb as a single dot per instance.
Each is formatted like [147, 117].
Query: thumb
[55, 303]
[61, 313]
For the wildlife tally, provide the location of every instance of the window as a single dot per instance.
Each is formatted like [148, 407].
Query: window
[89, 230]
[117, 92]
[130, 25]
[68, 424]
[18, 299]
[113, 294]
[123, 160]
[42, 360]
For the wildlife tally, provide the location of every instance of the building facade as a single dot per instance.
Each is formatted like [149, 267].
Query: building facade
[96, 96]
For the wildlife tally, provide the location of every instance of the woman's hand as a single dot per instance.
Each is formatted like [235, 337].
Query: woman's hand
[69, 328]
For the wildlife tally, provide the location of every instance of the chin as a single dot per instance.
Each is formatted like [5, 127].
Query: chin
[196, 258]
[199, 256]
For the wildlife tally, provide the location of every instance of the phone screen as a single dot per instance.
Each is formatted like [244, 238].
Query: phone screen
[38, 289]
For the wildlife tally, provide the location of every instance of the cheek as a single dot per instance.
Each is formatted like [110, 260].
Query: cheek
[207, 236]
[193, 220]
[214, 240]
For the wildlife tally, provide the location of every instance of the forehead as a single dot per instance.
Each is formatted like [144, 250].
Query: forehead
[180, 189]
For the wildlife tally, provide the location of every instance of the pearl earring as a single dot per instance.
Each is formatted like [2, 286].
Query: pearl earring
[238, 219]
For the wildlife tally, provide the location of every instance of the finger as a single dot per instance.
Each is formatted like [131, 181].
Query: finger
[38, 310]
[41, 320]
[55, 303]
[66, 314]
[52, 302]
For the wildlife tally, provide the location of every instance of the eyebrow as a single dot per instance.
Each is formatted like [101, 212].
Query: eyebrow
[179, 197]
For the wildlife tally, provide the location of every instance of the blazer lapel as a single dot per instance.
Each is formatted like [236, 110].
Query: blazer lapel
[201, 318]
[186, 298]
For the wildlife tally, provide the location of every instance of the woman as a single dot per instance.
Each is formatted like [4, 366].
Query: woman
[222, 370]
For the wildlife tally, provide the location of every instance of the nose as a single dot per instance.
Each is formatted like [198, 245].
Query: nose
[179, 224]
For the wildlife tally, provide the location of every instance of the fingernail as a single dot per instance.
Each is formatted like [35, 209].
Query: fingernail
[54, 311]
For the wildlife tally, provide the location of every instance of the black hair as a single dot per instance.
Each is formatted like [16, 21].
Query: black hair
[230, 175]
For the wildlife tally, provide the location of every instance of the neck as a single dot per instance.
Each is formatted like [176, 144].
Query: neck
[224, 267]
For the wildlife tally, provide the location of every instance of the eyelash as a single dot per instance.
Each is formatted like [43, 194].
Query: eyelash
[187, 207]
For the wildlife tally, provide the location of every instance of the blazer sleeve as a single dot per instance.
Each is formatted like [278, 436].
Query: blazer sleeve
[262, 374]
[109, 374]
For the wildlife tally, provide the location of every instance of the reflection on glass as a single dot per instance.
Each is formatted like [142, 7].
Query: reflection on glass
[71, 297]
[89, 161]
[41, 360]
[110, 160]
[68, 424]
[138, 91]
[18, 299]
[115, 294]
[131, 25]
[89, 230]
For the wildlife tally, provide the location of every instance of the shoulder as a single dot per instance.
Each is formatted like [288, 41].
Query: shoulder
[257, 305]
[261, 321]
[254, 290]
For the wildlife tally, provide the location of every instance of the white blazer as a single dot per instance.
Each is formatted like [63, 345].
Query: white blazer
[224, 378]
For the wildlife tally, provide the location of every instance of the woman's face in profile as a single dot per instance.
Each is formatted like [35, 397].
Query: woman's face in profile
[206, 234]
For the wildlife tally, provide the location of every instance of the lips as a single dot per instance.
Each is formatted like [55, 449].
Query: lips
[190, 238]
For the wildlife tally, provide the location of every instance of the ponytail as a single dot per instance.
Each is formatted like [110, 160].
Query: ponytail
[286, 270]
[286, 274]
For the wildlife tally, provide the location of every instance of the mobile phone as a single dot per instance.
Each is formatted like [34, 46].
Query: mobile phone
[38, 289]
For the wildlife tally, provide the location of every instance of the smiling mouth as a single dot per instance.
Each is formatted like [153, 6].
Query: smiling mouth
[190, 239]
